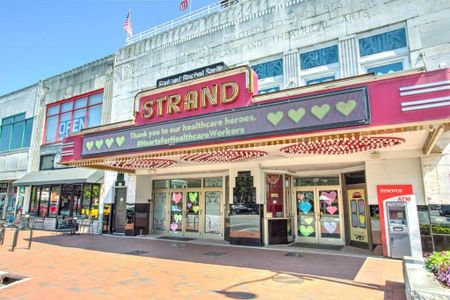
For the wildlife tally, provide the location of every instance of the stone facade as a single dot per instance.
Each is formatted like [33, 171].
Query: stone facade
[14, 163]
[255, 31]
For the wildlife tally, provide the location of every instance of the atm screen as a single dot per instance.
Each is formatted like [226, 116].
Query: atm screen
[397, 215]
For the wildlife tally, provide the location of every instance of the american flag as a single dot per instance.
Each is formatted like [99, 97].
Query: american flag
[184, 4]
[127, 25]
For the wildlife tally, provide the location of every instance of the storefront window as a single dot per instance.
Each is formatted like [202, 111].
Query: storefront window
[212, 182]
[86, 203]
[95, 201]
[54, 199]
[44, 200]
[66, 195]
[434, 223]
[34, 203]
[316, 181]
[20, 200]
[185, 183]
[76, 205]
[274, 194]
[161, 184]
[70, 116]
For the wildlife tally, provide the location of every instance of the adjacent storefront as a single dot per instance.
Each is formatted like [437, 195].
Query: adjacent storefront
[213, 159]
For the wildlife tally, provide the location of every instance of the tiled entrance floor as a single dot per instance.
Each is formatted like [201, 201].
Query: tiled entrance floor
[106, 267]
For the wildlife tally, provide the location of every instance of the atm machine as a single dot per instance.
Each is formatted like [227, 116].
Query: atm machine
[398, 230]
[402, 228]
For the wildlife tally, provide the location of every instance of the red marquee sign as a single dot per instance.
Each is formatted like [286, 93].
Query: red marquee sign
[227, 90]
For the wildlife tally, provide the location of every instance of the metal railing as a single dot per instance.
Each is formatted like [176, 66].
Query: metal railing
[21, 226]
[200, 13]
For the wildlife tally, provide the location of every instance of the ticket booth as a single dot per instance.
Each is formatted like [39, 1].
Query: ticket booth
[400, 232]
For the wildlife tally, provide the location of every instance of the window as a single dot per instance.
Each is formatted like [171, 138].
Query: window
[73, 115]
[319, 65]
[274, 194]
[51, 162]
[65, 200]
[47, 162]
[319, 57]
[15, 132]
[382, 42]
[320, 80]
[386, 69]
[270, 75]
[384, 53]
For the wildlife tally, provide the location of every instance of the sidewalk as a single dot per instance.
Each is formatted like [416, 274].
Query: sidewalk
[99, 267]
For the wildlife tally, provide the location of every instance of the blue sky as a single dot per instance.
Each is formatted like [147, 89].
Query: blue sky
[42, 38]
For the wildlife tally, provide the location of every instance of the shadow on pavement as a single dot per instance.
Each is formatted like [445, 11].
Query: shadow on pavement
[335, 266]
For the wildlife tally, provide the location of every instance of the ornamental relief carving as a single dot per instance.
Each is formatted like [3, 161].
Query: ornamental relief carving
[123, 72]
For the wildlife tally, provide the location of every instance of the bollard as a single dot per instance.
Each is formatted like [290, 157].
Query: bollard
[16, 237]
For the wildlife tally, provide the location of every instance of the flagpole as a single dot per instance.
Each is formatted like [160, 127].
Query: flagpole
[190, 6]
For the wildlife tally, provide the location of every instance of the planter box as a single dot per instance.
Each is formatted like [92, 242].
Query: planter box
[420, 283]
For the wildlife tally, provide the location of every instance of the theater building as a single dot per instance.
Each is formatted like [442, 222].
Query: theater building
[213, 159]
[268, 122]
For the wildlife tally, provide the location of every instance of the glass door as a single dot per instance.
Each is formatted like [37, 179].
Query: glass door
[306, 215]
[185, 213]
[159, 211]
[212, 215]
[330, 215]
[176, 213]
[192, 212]
[319, 215]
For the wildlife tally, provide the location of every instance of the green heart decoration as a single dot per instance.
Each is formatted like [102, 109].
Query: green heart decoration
[296, 114]
[178, 218]
[346, 108]
[193, 197]
[89, 145]
[98, 144]
[275, 117]
[196, 208]
[309, 220]
[109, 142]
[320, 111]
[306, 230]
[120, 140]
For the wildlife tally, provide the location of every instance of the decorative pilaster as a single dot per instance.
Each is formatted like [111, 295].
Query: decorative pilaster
[291, 61]
[349, 57]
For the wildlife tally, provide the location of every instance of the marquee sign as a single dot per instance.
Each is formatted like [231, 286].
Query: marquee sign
[344, 108]
[227, 90]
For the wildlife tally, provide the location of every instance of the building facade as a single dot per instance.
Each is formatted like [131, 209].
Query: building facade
[376, 85]
[16, 149]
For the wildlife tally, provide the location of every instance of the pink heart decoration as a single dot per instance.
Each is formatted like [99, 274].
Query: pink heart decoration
[173, 226]
[177, 197]
[331, 209]
[328, 197]
[330, 226]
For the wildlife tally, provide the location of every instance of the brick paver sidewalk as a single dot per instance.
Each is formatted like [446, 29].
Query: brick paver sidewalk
[97, 267]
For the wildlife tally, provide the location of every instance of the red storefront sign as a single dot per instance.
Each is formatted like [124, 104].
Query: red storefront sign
[391, 192]
[224, 91]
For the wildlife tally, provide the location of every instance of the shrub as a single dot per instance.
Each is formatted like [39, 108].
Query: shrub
[439, 264]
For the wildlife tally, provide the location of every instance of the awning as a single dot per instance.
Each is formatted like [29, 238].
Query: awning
[63, 176]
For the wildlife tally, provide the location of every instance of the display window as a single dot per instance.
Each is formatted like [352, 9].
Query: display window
[72, 115]
[65, 200]
[274, 194]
